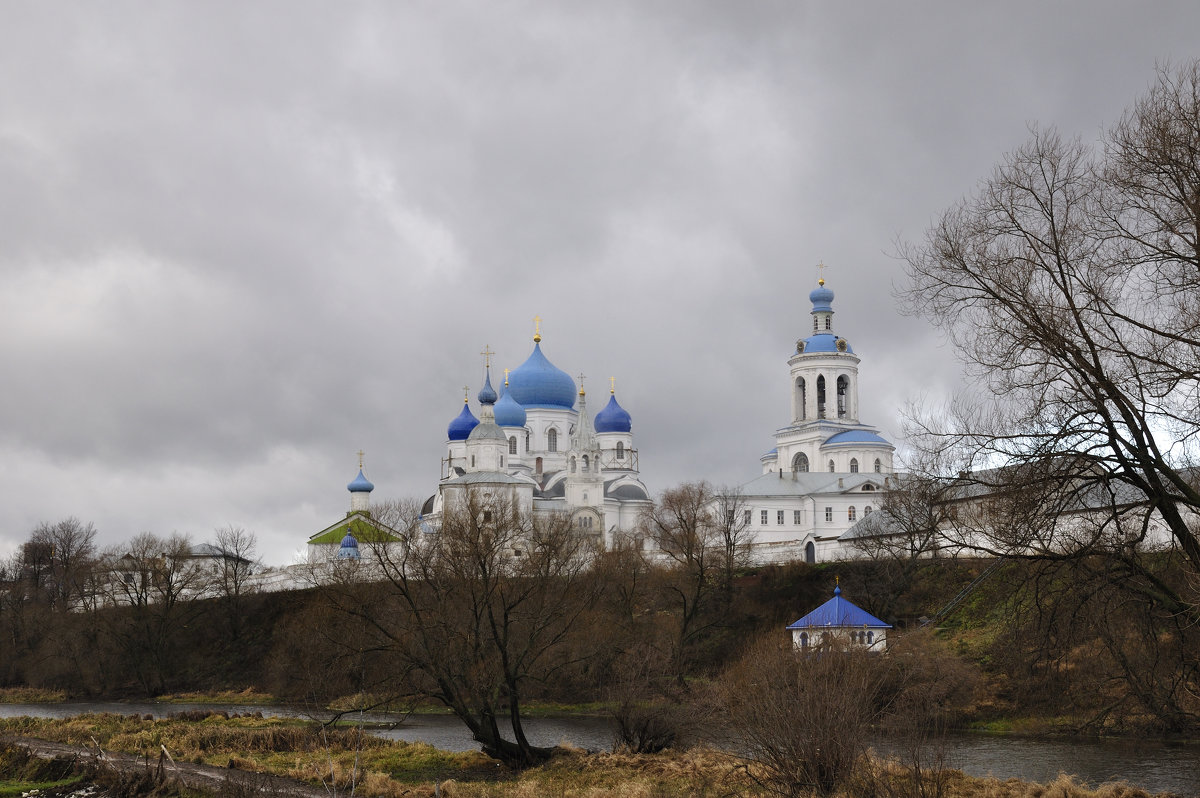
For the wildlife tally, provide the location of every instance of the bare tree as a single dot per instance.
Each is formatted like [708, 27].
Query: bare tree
[733, 533]
[680, 523]
[1070, 283]
[236, 564]
[802, 718]
[475, 612]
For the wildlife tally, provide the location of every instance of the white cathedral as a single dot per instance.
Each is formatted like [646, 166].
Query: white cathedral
[535, 444]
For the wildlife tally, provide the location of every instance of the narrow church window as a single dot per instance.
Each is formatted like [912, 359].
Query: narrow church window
[779, 517]
[804, 637]
[537, 465]
[552, 440]
[802, 395]
[502, 461]
[853, 465]
[472, 461]
[828, 323]
[821, 396]
[878, 466]
[830, 466]
[800, 462]
[870, 638]
[512, 445]
[528, 437]
[851, 514]
[585, 463]
[843, 387]
[815, 323]
[620, 450]
[829, 514]
[762, 518]
[572, 465]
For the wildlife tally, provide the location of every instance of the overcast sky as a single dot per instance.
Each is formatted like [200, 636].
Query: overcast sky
[241, 241]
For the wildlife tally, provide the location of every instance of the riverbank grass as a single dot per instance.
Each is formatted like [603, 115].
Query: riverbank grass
[248, 696]
[31, 695]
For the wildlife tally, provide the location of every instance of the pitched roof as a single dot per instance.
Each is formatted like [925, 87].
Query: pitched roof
[839, 612]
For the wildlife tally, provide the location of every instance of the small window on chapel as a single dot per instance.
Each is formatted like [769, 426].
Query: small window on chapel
[828, 323]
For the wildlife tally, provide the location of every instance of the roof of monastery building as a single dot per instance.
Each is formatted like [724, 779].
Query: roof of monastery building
[838, 612]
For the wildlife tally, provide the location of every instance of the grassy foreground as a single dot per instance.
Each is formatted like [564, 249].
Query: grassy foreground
[339, 759]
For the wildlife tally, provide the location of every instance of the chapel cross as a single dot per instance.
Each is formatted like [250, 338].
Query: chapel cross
[537, 329]
[581, 378]
[821, 272]
[506, 376]
[487, 356]
[360, 458]
[612, 385]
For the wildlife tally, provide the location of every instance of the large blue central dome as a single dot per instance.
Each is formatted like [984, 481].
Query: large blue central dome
[539, 383]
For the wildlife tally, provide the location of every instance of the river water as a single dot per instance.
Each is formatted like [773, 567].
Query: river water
[1153, 765]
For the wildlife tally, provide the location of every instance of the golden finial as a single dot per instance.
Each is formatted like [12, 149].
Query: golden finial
[821, 274]
[487, 356]
[537, 329]
[506, 377]
[360, 459]
[612, 385]
[581, 378]
[466, 394]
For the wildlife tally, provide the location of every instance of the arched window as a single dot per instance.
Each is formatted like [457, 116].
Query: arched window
[620, 450]
[831, 466]
[810, 553]
[802, 397]
[502, 461]
[800, 462]
[804, 640]
[870, 638]
[572, 465]
[585, 463]
[853, 465]
[868, 488]
[828, 323]
[512, 445]
[867, 510]
[472, 461]
[878, 466]
[537, 465]
[552, 440]
[528, 437]
[851, 514]
[821, 396]
[843, 388]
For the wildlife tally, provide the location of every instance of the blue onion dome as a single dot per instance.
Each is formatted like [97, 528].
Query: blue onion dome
[508, 412]
[462, 424]
[487, 394]
[613, 418]
[349, 548]
[360, 484]
[539, 383]
[821, 298]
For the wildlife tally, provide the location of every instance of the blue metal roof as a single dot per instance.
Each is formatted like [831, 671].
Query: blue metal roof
[487, 394]
[822, 299]
[360, 484]
[824, 342]
[508, 412]
[839, 612]
[539, 383]
[462, 424]
[613, 418]
[854, 436]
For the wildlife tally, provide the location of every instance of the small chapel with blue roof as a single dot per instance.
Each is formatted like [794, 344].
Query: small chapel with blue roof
[839, 624]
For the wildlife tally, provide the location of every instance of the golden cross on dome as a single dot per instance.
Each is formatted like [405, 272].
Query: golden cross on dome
[466, 394]
[506, 376]
[360, 457]
[821, 273]
[612, 385]
[487, 356]
[537, 329]
[582, 376]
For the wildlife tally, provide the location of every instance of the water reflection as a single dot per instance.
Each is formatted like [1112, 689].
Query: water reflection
[1152, 765]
